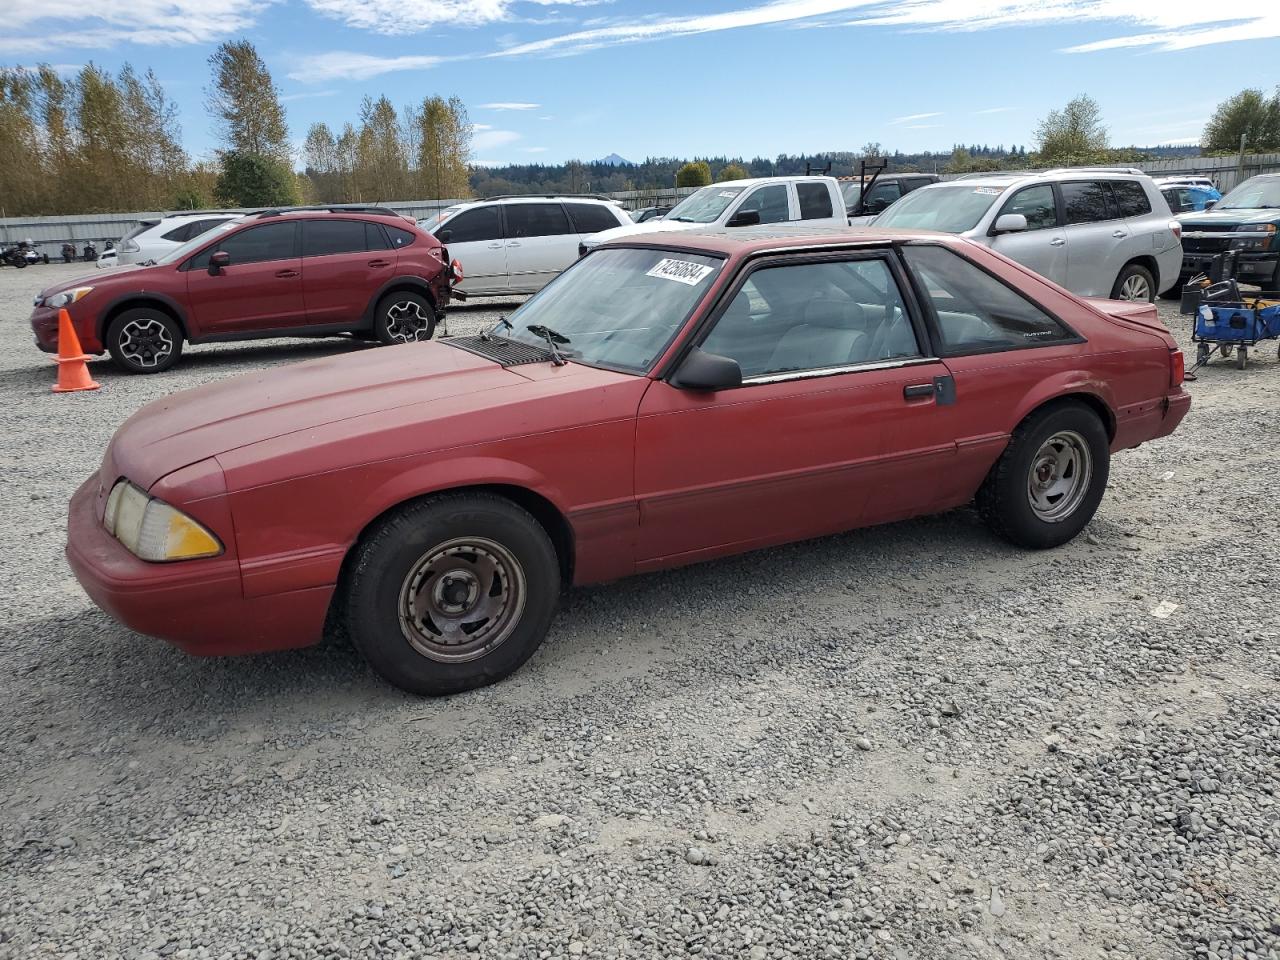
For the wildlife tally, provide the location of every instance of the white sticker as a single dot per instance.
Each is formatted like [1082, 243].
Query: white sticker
[989, 191]
[728, 193]
[681, 271]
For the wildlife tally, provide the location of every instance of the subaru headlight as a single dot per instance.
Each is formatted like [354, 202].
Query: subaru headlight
[67, 297]
[1263, 235]
[152, 530]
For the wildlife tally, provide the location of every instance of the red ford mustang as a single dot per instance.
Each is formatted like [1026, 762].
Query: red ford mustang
[668, 399]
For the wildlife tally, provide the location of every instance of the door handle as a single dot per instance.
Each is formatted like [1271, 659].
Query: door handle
[915, 391]
[379, 263]
[1118, 234]
[1057, 242]
[513, 243]
[286, 274]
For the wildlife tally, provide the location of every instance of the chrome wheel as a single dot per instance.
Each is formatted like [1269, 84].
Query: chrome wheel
[145, 342]
[1136, 288]
[1060, 476]
[462, 599]
[408, 321]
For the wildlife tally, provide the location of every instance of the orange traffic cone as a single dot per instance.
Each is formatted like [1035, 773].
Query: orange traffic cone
[73, 372]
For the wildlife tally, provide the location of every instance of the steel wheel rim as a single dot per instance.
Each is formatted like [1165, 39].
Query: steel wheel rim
[1135, 288]
[145, 342]
[1059, 476]
[462, 599]
[407, 321]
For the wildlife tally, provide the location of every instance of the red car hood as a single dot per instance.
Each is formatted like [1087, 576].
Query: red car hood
[193, 425]
[103, 279]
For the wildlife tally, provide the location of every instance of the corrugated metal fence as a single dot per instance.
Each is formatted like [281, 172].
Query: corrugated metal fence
[1226, 172]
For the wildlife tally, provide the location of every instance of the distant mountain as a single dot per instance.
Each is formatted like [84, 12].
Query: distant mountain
[614, 160]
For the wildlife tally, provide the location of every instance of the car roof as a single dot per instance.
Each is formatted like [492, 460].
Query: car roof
[533, 198]
[747, 241]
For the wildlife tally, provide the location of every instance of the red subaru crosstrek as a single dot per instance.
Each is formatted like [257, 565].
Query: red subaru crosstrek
[277, 273]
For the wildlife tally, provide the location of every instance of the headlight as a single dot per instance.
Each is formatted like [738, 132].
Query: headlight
[67, 297]
[152, 530]
[1264, 233]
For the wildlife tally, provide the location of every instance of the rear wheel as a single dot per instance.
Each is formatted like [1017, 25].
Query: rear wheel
[1242, 357]
[144, 341]
[404, 317]
[452, 592]
[1134, 283]
[1048, 483]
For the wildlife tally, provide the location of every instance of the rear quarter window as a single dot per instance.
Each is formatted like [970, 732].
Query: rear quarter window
[1131, 199]
[815, 201]
[399, 238]
[1086, 201]
[975, 312]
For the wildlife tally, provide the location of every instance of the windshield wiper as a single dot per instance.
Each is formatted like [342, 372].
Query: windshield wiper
[487, 335]
[680, 219]
[552, 337]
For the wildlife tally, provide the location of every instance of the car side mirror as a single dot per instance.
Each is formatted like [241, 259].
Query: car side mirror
[218, 261]
[444, 236]
[1010, 223]
[1210, 204]
[744, 218]
[707, 371]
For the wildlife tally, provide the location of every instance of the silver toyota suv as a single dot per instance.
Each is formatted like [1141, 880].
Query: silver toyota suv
[1098, 231]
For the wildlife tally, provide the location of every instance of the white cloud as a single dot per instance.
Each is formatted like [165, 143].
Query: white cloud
[983, 113]
[546, 118]
[67, 24]
[393, 17]
[1239, 20]
[534, 149]
[488, 139]
[924, 126]
[913, 116]
[476, 127]
[509, 105]
[344, 65]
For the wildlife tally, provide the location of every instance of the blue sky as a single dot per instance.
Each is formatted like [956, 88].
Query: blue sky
[547, 81]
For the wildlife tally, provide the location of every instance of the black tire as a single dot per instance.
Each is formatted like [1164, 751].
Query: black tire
[404, 317]
[1242, 357]
[144, 340]
[1005, 499]
[398, 582]
[19, 262]
[1134, 276]
[1203, 352]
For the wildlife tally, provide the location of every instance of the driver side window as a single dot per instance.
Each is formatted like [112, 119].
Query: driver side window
[810, 316]
[771, 202]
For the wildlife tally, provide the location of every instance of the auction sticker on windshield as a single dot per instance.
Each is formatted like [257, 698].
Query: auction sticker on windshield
[681, 271]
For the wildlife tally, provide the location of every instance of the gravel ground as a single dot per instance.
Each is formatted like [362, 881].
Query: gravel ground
[907, 742]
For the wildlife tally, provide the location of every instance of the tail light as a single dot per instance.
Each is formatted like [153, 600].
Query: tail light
[1177, 368]
[1176, 227]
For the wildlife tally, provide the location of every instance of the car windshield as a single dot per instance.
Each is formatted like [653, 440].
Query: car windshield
[426, 223]
[617, 308]
[1253, 194]
[705, 206]
[951, 209]
[197, 243]
[851, 190]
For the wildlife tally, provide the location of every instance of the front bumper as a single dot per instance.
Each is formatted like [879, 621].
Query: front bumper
[44, 324]
[197, 605]
[1251, 267]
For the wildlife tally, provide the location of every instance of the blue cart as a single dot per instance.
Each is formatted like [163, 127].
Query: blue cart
[1234, 327]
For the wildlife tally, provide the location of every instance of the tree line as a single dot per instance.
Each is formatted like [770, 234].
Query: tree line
[102, 142]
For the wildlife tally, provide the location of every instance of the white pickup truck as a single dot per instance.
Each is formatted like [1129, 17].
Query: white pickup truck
[743, 203]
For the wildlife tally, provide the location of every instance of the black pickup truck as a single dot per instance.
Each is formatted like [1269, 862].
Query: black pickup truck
[1246, 220]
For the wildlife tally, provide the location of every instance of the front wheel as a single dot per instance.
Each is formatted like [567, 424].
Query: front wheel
[1134, 283]
[144, 341]
[1048, 483]
[451, 593]
[404, 317]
